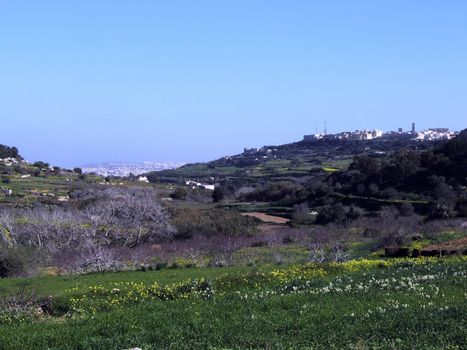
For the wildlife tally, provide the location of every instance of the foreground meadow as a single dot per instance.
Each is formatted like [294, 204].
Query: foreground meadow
[364, 304]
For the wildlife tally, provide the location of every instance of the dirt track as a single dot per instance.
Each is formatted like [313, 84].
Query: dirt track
[267, 218]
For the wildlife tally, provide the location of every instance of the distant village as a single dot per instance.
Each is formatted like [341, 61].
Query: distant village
[124, 169]
[431, 134]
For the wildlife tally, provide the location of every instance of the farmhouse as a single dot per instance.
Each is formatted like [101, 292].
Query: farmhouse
[195, 184]
[143, 179]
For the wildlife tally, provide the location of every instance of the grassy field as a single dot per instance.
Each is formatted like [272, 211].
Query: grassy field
[365, 304]
[58, 285]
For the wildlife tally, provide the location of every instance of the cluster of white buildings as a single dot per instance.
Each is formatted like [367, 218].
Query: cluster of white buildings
[123, 169]
[360, 135]
[424, 135]
[195, 184]
[435, 134]
[347, 135]
[264, 150]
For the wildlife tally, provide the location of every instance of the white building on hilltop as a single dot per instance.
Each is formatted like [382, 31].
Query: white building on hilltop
[366, 134]
[435, 134]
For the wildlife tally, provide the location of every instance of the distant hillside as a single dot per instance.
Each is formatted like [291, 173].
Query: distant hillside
[294, 160]
[412, 171]
[340, 176]
[434, 180]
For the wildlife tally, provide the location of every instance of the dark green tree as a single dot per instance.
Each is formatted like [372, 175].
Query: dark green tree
[365, 165]
[218, 194]
[40, 164]
[179, 193]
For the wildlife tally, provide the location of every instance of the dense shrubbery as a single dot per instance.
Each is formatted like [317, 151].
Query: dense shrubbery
[338, 213]
[41, 165]
[218, 194]
[434, 173]
[179, 193]
[191, 222]
[436, 176]
[274, 192]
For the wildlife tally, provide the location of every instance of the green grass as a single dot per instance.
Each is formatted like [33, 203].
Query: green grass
[397, 304]
[360, 249]
[270, 255]
[57, 285]
[340, 164]
[449, 235]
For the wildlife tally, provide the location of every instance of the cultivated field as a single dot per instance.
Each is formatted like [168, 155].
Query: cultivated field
[360, 304]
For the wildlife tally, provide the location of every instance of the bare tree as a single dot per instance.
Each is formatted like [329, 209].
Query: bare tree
[6, 228]
[320, 253]
[94, 258]
[129, 217]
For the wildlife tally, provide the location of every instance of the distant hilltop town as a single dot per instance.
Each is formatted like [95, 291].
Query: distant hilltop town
[423, 135]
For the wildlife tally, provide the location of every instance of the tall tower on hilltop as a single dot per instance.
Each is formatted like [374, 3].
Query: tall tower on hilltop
[325, 129]
[413, 128]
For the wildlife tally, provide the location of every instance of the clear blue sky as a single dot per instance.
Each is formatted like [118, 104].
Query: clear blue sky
[89, 81]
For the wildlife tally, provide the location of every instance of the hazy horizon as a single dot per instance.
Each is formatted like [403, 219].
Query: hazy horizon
[89, 82]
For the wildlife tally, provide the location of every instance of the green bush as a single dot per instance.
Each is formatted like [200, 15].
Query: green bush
[6, 180]
[11, 263]
[18, 261]
[190, 222]
[179, 193]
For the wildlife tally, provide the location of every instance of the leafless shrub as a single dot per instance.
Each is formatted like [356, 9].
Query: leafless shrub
[95, 258]
[24, 302]
[317, 254]
[320, 253]
[20, 299]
